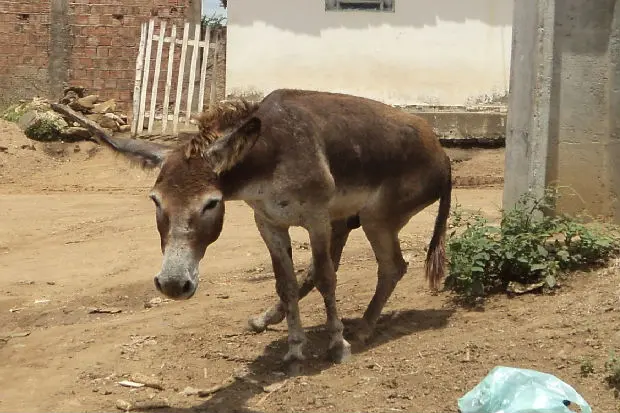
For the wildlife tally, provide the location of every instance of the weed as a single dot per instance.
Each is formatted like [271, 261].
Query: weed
[612, 366]
[528, 249]
[587, 367]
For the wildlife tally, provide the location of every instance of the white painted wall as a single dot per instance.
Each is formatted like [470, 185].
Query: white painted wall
[444, 52]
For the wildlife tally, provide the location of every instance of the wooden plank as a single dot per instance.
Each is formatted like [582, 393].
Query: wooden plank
[176, 41]
[137, 86]
[203, 72]
[147, 68]
[177, 103]
[192, 74]
[160, 47]
[173, 35]
[213, 91]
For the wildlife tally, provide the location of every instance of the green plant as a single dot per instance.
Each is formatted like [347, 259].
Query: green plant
[612, 365]
[528, 249]
[587, 367]
[14, 112]
[213, 22]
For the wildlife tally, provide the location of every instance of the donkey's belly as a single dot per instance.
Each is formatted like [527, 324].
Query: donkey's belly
[349, 202]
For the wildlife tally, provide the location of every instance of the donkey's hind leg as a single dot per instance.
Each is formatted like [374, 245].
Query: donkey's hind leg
[391, 268]
[340, 233]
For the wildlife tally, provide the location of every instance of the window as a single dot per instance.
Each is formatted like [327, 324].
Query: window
[364, 5]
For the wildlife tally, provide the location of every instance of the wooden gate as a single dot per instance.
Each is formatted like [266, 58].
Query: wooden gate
[147, 81]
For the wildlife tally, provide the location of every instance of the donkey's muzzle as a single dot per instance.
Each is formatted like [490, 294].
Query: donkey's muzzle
[175, 289]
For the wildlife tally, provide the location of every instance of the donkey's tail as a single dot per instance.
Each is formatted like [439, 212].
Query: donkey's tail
[435, 265]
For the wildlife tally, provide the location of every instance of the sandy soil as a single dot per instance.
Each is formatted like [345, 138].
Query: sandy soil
[78, 232]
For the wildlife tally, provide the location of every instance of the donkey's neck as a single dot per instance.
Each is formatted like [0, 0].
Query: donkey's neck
[244, 181]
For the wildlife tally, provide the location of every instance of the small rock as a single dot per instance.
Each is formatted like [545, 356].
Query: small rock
[151, 382]
[115, 117]
[124, 128]
[42, 301]
[108, 123]
[95, 117]
[99, 310]
[75, 133]
[78, 90]
[86, 103]
[105, 107]
[132, 384]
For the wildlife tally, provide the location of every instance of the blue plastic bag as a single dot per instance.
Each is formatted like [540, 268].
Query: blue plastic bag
[513, 390]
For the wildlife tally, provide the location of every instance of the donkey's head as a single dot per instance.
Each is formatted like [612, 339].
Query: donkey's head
[188, 198]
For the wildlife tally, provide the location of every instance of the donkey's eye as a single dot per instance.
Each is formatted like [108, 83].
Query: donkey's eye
[212, 203]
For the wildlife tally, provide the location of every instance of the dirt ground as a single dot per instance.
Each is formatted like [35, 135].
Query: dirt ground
[78, 232]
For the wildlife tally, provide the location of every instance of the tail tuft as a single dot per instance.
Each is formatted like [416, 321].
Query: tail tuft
[435, 265]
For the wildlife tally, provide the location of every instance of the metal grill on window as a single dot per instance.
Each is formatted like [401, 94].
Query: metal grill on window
[360, 5]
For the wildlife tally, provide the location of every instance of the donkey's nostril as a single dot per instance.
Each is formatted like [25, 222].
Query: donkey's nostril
[157, 285]
[187, 287]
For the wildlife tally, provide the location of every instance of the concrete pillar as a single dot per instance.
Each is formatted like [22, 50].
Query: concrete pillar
[529, 101]
[60, 47]
[564, 104]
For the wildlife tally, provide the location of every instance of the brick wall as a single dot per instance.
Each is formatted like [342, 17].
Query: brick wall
[24, 40]
[106, 39]
[99, 44]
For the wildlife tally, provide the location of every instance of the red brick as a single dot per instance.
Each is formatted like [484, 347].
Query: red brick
[102, 51]
[105, 41]
[86, 62]
[92, 41]
[81, 19]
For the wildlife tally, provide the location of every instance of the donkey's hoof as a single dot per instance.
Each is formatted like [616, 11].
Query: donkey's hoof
[340, 352]
[294, 368]
[257, 324]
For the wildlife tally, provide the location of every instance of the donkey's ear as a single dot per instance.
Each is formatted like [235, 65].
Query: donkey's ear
[229, 150]
[146, 154]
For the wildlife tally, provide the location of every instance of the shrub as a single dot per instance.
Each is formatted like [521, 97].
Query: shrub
[526, 251]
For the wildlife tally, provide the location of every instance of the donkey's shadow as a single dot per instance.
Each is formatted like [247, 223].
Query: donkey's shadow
[264, 370]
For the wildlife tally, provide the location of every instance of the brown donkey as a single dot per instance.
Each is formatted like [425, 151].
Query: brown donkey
[326, 162]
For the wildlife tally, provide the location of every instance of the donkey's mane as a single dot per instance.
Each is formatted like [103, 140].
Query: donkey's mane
[216, 120]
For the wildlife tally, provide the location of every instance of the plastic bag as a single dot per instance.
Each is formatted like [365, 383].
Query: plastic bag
[513, 390]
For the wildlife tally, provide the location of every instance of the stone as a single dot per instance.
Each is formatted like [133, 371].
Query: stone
[75, 133]
[108, 123]
[78, 90]
[42, 126]
[95, 117]
[84, 104]
[124, 128]
[105, 107]
[114, 116]
[69, 98]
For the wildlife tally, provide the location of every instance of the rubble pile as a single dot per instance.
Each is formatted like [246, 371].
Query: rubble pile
[40, 122]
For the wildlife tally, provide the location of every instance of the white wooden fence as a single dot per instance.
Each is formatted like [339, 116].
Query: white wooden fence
[149, 41]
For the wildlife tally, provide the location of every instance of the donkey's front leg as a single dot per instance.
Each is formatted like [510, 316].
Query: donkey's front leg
[278, 242]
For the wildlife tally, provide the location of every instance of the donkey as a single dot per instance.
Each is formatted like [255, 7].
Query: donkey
[326, 162]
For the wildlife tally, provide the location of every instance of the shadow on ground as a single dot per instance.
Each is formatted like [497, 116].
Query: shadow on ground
[234, 397]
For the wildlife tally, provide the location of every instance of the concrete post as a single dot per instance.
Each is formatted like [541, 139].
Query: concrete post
[530, 100]
[563, 125]
[60, 47]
